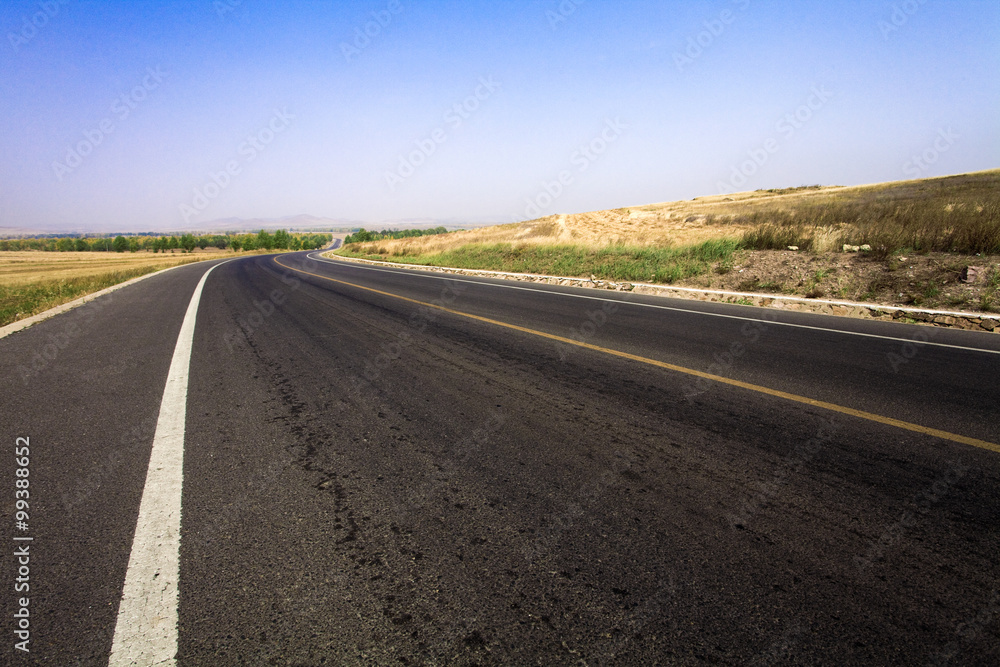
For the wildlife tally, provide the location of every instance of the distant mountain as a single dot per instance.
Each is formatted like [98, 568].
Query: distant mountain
[302, 222]
[14, 232]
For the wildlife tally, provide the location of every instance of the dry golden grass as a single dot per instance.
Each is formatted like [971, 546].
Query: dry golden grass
[34, 281]
[681, 223]
[22, 268]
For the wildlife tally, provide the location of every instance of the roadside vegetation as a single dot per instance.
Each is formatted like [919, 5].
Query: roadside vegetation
[362, 236]
[908, 243]
[619, 263]
[958, 214]
[21, 299]
[40, 273]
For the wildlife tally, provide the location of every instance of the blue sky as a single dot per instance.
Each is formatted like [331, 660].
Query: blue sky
[165, 115]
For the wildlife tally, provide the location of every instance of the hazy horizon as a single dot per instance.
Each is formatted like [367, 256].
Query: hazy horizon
[168, 115]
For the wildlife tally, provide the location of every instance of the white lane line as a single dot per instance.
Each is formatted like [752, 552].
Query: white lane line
[146, 629]
[670, 308]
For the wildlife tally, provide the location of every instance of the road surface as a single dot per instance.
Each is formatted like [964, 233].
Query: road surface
[390, 467]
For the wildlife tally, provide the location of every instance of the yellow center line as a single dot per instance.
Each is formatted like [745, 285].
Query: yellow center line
[917, 428]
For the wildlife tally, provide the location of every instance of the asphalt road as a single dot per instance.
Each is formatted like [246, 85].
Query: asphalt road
[369, 479]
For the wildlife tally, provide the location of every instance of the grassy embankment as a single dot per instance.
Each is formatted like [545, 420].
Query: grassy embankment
[958, 216]
[32, 282]
[621, 263]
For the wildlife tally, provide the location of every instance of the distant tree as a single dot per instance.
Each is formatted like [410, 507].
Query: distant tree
[173, 243]
[236, 243]
[133, 245]
[65, 245]
[264, 240]
[360, 236]
[120, 244]
[281, 239]
[203, 242]
[188, 242]
[249, 242]
[295, 243]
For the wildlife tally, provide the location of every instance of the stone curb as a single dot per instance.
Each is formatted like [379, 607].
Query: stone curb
[940, 318]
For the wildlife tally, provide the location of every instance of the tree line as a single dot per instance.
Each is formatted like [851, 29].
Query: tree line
[362, 236]
[263, 240]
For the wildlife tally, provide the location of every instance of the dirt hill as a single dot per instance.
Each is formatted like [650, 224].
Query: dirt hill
[917, 239]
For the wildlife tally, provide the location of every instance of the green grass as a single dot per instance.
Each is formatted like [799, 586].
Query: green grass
[616, 263]
[20, 301]
[993, 282]
[987, 301]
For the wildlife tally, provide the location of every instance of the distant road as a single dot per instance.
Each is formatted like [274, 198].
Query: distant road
[386, 466]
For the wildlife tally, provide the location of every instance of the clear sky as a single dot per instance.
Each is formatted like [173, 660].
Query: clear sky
[165, 115]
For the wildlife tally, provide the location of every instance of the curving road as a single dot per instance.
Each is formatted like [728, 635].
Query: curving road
[393, 467]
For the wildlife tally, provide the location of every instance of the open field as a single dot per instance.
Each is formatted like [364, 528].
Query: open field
[32, 282]
[923, 235]
[21, 267]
